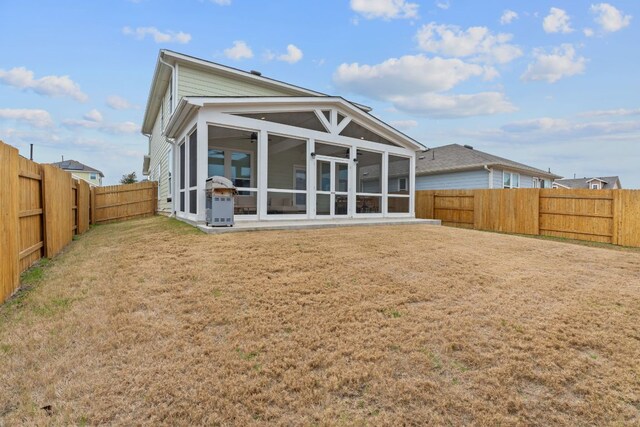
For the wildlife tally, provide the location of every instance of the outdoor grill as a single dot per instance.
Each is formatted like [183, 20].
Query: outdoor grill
[220, 200]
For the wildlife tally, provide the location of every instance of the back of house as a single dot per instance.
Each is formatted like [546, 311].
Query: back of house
[293, 153]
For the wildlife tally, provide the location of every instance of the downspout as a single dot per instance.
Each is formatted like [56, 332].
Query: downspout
[490, 170]
[171, 140]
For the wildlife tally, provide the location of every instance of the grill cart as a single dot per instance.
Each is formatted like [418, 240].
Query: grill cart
[220, 201]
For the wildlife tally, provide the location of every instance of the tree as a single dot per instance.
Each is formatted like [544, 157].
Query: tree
[129, 178]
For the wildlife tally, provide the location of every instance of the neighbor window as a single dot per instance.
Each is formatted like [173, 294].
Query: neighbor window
[595, 186]
[510, 180]
[93, 176]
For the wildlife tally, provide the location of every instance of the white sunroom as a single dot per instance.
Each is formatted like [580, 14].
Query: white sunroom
[290, 158]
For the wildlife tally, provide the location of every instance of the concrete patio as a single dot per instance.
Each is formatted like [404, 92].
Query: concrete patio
[307, 224]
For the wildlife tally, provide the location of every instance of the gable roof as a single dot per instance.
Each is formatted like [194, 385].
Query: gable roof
[455, 157]
[76, 166]
[607, 182]
[168, 58]
[188, 105]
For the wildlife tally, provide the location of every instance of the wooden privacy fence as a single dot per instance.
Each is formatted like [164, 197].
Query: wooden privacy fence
[121, 202]
[608, 216]
[42, 207]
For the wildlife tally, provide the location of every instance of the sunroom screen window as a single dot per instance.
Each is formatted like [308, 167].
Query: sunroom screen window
[286, 175]
[369, 182]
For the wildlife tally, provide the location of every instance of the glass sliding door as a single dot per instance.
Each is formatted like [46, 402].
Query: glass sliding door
[332, 187]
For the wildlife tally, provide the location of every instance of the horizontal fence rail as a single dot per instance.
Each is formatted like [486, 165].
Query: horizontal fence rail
[607, 216]
[42, 207]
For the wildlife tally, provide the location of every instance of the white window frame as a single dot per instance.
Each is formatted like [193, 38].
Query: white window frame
[281, 190]
[595, 186]
[187, 183]
[182, 209]
[512, 175]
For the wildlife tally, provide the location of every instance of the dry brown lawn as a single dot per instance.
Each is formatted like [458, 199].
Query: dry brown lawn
[149, 322]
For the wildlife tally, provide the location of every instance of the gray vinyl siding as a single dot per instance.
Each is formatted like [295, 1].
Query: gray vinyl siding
[195, 82]
[454, 181]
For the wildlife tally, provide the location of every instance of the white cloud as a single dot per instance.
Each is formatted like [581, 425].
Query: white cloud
[609, 18]
[588, 32]
[444, 5]
[407, 75]
[557, 21]
[616, 112]
[93, 115]
[94, 120]
[508, 16]
[34, 117]
[475, 42]
[411, 83]
[118, 103]
[293, 55]
[239, 50]
[551, 67]
[404, 124]
[22, 78]
[221, 2]
[157, 35]
[541, 124]
[385, 9]
[453, 106]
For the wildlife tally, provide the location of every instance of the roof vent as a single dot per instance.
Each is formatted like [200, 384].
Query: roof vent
[255, 73]
[468, 146]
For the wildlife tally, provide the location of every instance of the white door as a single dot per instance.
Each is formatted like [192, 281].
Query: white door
[332, 188]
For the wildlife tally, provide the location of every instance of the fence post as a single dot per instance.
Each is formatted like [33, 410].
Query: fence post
[92, 209]
[9, 225]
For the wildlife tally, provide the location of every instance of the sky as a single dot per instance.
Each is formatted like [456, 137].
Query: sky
[553, 84]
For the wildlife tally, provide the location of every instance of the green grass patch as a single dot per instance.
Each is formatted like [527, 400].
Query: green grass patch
[179, 227]
[247, 356]
[34, 274]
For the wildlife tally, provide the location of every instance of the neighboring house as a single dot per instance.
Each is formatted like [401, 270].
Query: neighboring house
[462, 167]
[293, 153]
[81, 171]
[596, 183]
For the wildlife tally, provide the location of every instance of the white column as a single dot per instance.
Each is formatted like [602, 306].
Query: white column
[353, 181]
[412, 186]
[384, 177]
[311, 179]
[203, 166]
[263, 143]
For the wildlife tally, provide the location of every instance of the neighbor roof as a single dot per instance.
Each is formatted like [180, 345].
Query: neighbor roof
[162, 75]
[607, 182]
[76, 166]
[455, 157]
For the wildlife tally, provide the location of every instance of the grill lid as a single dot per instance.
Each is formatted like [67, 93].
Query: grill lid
[220, 183]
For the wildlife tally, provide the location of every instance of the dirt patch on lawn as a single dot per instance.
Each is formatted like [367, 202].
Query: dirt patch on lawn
[149, 322]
